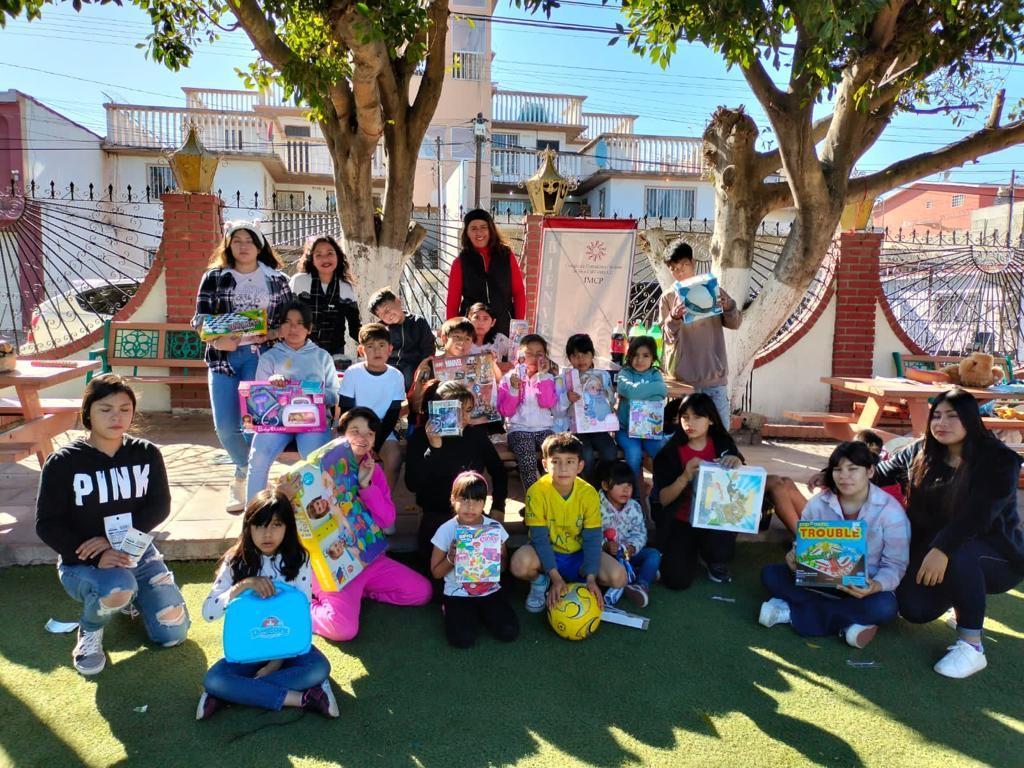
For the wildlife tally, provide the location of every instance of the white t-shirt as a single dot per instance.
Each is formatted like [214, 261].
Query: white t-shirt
[443, 539]
[251, 290]
[270, 567]
[376, 391]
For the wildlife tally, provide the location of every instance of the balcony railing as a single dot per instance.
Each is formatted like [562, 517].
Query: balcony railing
[468, 65]
[512, 165]
[647, 154]
[602, 123]
[235, 100]
[544, 108]
[165, 128]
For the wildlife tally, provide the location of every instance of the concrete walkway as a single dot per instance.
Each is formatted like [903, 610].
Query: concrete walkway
[199, 528]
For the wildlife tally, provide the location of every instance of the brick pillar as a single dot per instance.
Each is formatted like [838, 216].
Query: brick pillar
[857, 293]
[192, 229]
[531, 266]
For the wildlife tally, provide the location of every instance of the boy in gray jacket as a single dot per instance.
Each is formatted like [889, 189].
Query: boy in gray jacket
[695, 352]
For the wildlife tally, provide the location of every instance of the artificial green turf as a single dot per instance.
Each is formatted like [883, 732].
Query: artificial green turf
[704, 686]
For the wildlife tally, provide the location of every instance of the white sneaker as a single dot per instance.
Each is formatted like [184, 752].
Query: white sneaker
[332, 710]
[774, 611]
[88, 656]
[236, 495]
[963, 660]
[536, 600]
[612, 595]
[859, 635]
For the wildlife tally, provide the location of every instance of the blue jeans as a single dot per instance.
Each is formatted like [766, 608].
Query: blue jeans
[633, 449]
[152, 587]
[645, 565]
[598, 449]
[227, 412]
[816, 614]
[237, 683]
[267, 446]
[720, 397]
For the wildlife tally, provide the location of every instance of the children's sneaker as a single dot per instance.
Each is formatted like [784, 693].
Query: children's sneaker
[538, 590]
[613, 595]
[236, 496]
[208, 706]
[320, 699]
[859, 635]
[718, 573]
[638, 594]
[963, 660]
[88, 656]
[774, 611]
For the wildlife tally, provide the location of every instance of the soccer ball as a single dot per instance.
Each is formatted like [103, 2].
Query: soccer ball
[577, 615]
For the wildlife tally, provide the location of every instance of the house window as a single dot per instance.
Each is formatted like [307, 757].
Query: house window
[510, 207]
[233, 139]
[428, 147]
[668, 203]
[160, 180]
[957, 201]
[463, 145]
[504, 140]
[928, 204]
[547, 144]
[298, 131]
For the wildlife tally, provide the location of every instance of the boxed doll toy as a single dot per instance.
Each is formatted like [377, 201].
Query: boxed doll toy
[334, 526]
[593, 412]
[295, 407]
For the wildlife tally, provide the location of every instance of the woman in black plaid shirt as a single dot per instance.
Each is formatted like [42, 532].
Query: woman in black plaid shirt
[325, 283]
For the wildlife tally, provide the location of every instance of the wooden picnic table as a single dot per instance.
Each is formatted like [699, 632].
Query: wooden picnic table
[880, 392]
[41, 420]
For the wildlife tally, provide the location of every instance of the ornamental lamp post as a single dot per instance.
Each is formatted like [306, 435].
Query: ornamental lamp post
[193, 164]
[547, 187]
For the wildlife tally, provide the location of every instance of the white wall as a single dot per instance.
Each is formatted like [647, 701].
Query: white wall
[792, 381]
[625, 197]
[80, 161]
[886, 342]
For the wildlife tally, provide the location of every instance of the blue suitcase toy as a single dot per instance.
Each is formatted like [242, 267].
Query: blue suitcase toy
[261, 629]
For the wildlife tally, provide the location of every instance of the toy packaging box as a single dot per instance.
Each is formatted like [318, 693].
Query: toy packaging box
[593, 412]
[477, 373]
[831, 554]
[478, 554]
[446, 416]
[646, 418]
[516, 330]
[728, 499]
[249, 322]
[699, 295]
[295, 407]
[334, 525]
[260, 629]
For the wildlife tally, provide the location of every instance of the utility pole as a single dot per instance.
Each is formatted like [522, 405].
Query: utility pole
[1009, 212]
[480, 136]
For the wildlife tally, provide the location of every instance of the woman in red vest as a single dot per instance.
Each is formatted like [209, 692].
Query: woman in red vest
[486, 270]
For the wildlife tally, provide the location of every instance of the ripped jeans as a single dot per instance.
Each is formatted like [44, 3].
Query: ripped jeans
[151, 586]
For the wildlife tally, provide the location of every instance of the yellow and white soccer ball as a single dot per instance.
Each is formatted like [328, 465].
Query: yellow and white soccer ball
[577, 615]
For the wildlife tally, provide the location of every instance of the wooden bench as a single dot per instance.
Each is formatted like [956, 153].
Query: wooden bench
[174, 346]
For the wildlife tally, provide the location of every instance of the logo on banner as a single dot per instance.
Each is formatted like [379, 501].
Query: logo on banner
[596, 250]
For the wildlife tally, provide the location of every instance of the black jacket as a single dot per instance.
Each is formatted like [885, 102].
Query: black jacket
[668, 467]
[412, 342]
[990, 511]
[491, 286]
[430, 472]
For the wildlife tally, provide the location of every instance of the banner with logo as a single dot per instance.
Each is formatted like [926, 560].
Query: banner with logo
[585, 276]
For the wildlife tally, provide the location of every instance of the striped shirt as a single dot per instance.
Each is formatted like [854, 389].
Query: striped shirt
[888, 532]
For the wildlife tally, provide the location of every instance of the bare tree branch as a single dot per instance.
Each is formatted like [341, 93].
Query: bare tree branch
[982, 142]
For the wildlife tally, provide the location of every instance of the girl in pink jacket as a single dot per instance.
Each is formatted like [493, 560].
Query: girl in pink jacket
[526, 397]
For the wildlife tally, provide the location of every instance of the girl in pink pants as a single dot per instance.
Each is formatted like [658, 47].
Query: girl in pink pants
[336, 614]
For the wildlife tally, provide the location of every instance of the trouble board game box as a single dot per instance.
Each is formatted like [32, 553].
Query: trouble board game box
[831, 554]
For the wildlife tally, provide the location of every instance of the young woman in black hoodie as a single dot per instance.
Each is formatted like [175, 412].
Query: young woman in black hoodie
[700, 437]
[966, 540]
[83, 486]
[432, 463]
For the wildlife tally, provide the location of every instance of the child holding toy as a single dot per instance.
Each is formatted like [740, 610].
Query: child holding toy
[625, 529]
[296, 358]
[563, 521]
[639, 379]
[701, 437]
[336, 614]
[457, 340]
[467, 605]
[487, 338]
[526, 398]
[855, 612]
[598, 447]
[267, 550]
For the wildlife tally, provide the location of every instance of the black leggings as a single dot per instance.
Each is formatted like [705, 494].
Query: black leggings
[685, 545]
[975, 569]
[464, 615]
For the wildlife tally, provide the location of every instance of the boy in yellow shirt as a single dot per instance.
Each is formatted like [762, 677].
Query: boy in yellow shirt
[563, 520]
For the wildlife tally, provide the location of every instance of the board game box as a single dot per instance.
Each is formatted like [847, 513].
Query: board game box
[831, 554]
[249, 322]
[728, 499]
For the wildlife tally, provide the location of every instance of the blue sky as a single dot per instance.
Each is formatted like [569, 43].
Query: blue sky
[97, 47]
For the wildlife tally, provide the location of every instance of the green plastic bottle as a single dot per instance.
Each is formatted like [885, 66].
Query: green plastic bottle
[659, 342]
[638, 329]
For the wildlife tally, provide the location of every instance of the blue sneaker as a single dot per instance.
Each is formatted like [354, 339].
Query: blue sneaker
[535, 601]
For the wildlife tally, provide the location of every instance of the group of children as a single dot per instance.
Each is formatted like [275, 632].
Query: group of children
[588, 515]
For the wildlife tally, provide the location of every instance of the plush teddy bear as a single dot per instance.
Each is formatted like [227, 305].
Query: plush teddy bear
[978, 369]
[8, 356]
